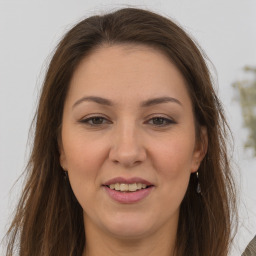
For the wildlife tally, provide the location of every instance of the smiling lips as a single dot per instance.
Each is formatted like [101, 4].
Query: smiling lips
[127, 187]
[128, 190]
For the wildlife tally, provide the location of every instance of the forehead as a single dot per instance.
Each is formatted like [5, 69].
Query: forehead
[131, 72]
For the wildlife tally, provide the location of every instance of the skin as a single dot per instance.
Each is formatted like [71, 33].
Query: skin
[156, 142]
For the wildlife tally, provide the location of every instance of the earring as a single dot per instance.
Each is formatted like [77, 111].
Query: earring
[65, 175]
[198, 186]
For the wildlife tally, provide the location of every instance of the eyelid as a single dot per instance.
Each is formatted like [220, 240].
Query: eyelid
[160, 115]
[86, 119]
[169, 120]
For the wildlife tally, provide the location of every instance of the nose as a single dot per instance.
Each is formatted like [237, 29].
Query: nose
[127, 147]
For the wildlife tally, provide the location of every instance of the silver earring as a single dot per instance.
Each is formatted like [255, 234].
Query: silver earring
[198, 186]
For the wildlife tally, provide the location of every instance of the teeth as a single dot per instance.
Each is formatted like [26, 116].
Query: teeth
[124, 187]
[127, 187]
[132, 187]
[117, 186]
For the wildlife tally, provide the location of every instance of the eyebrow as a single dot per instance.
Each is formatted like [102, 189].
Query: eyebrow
[159, 100]
[146, 103]
[96, 99]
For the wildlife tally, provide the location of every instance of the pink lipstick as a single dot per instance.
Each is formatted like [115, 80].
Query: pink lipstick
[128, 191]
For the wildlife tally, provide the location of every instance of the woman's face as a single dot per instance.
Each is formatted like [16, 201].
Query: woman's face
[128, 141]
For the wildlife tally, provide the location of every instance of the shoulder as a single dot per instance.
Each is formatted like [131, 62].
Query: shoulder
[251, 248]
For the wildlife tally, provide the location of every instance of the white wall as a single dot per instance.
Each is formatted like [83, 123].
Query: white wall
[29, 30]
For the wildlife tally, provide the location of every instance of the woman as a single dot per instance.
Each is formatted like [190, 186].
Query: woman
[129, 154]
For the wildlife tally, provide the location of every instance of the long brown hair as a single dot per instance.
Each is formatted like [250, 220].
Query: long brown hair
[49, 220]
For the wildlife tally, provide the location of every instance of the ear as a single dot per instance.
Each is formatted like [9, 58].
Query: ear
[63, 161]
[200, 149]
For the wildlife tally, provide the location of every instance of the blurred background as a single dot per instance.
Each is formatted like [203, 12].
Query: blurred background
[226, 31]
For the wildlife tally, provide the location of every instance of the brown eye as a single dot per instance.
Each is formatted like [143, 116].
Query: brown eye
[95, 121]
[161, 121]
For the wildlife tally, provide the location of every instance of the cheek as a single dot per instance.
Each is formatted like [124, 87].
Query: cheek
[81, 152]
[84, 162]
[83, 158]
[174, 162]
[176, 156]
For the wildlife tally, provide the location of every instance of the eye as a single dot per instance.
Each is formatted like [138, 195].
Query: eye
[161, 121]
[95, 121]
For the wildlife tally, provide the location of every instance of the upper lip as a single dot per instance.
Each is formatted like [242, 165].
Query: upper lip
[127, 181]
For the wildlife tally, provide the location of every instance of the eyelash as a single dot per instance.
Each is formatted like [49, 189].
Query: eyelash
[86, 121]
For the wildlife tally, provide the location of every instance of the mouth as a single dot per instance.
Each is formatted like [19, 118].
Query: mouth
[125, 187]
[128, 191]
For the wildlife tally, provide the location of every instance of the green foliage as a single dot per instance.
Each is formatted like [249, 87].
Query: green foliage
[247, 100]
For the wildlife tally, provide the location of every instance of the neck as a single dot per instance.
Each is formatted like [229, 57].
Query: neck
[99, 243]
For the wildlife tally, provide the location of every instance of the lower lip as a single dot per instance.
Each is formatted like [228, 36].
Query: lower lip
[128, 197]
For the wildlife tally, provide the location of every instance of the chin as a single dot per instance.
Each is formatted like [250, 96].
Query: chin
[129, 227]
